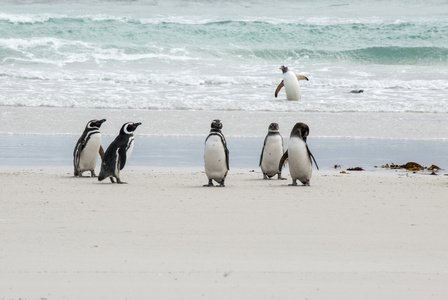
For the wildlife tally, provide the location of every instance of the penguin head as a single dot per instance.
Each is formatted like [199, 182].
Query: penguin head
[300, 130]
[95, 123]
[129, 128]
[284, 69]
[216, 124]
[273, 127]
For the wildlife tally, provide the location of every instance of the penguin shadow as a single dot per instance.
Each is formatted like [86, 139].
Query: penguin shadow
[282, 182]
[84, 178]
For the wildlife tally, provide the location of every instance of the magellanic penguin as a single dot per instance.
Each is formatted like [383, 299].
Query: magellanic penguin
[85, 155]
[299, 155]
[118, 153]
[216, 155]
[291, 83]
[272, 153]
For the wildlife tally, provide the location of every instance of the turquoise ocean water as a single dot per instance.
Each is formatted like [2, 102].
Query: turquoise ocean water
[225, 55]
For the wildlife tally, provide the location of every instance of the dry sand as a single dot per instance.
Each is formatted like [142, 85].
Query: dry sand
[362, 235]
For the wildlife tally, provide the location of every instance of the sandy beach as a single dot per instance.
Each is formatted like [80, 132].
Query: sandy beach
[377, 234]
[361, 235]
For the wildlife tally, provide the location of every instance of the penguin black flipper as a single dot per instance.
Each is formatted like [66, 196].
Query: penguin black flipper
[223, 140]
[262, 150]
[122, 157]
[312, 156]
[227, 157]
[283, 161]
[279, 87]
[77, 153]
[80, 145]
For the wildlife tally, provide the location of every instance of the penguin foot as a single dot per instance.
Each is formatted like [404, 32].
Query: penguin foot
[265, 177]
[294, 183]
[307, 183]
[210, 183]
[92, 174]
[120, 182]
[112, 179]
[280, 177]
[221, 184]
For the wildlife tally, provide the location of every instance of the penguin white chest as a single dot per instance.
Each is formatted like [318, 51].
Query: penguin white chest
[291, 84]
[215, 158]
[272, 153]
[89, 155]
[129, 150]
[299, 161]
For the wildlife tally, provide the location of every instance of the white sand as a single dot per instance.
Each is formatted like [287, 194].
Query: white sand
[365, 235]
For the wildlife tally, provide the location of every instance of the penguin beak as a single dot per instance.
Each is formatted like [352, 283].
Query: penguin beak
[102, 121]
[136, 125]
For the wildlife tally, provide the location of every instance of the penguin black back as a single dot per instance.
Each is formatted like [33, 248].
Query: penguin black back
[300, 130]
[118, 153]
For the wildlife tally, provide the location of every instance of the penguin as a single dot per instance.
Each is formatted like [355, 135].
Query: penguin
[216, 155]
[271, 153]
[118, 153]
[291, 83]
[85, 155]
[299, 155]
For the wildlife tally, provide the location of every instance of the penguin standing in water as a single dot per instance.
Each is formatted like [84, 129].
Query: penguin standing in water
[298, 155]
[216, 155]
[118, 153]
[272, 153]
[85, 155]
[291, 83]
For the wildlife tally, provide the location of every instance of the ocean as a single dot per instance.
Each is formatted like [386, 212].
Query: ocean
[225, 55]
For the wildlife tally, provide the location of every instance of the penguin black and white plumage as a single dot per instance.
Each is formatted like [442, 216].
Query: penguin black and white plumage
[291, 83]
[299, 155]
[272, 153]
[85, 155]
[216, 155]
[118, 153]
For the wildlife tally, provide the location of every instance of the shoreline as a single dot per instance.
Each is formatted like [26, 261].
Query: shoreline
[171, 151]
[362, 234]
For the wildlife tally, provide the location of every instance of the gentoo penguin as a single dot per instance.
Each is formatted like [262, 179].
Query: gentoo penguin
[298, 155]
[118, 153]
[87, 148]
[216, 155]
[272, 153]
[291, 83]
